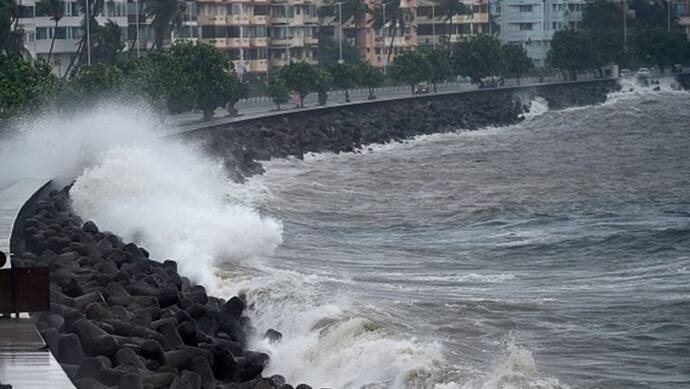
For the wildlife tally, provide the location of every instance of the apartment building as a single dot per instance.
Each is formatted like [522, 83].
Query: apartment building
[260, 35]
[682, 11]
[435, 29]
[532, 23]
[378, 46]
[40, 29]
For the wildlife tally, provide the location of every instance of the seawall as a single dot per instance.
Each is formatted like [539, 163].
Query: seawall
[345, 128]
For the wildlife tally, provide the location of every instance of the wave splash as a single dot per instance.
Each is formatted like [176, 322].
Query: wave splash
[162, 195]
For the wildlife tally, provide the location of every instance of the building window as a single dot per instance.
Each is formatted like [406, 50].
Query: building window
[41, 33]
[525, 8]
[525, 26]
[262, 10]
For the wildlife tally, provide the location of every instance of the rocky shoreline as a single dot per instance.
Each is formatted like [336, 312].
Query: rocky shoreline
[120, 319]
[245, 144]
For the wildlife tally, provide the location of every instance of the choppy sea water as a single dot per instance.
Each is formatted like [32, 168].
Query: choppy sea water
[554, 253]
[550, 254]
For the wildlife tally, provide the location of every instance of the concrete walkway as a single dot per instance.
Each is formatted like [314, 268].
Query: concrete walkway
[25, 361]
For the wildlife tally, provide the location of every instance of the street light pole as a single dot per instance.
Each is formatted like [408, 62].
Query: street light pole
[669, 15]
[287, 22]
[241, 69]
[136, 5]
[433, 22]
[383, 26]
[88, 33]
[340, 32]
[625, 25]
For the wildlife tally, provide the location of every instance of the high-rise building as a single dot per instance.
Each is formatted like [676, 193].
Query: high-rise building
[532, 23]
[682, 12]
[40, 29]
[433, 28]
[261, 34]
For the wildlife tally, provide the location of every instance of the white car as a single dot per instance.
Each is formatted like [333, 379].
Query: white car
[625, 73]
[644, 72]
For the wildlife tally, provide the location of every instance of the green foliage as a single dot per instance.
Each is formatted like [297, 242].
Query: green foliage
[572, 51]
[370, 77]
[166, 15]
[108, 44]
[344, 77]
[198, 76]
[602, 15]
[300, 77]
[661, 48]
[410, 67]
[11, 40]
[56, 10]
[23, 84]
[478, 57]
[328, 52]
[515, 60]
[278, 91]
[234, 91]
[88, 83]
[439, 64]
[323, 85]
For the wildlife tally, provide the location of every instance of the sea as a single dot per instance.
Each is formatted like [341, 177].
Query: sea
[554, 253]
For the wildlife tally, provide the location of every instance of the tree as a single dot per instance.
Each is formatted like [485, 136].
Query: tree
[90, 82]
[396, 19]
[449, 9]
[300, 77]
[108, 43]
[411, 68]
[234, 91]
[329, 52]
[56, 10]
[278, 91]
[661, 48]
[370, 77]
[352, 10]
[344, 77]
[439, 64]
[11, 38]
[602, 15]
[23, 84]
[516, 62]
[323, 85]
[571, 51]
[166, 15]
[478, 57]
[199, 77]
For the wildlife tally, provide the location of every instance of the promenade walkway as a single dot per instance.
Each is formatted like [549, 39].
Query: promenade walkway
[25, 361]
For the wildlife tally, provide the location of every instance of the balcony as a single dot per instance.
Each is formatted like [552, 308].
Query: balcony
[257, 66]
[258, 42]
[212, 20]
[260, 19]
[238, 42]
[239, 20]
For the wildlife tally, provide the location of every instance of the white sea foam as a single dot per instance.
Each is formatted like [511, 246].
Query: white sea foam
[165, 196]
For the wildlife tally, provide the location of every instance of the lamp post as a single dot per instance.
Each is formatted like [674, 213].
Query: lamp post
[287, 22]
[137, 14]
[625, 25]
[383, 26]
[88, 33]
[340, 32]
[668, 2]
[433, 22]
[241, 69]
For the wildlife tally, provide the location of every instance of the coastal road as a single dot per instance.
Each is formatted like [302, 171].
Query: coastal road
[257, 106]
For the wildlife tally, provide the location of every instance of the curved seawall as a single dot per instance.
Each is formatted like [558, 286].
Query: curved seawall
[348, 127]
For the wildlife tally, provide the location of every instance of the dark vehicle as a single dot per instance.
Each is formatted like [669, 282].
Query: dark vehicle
[490, 82]
[421, 89]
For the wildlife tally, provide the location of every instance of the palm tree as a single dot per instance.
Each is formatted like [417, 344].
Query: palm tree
[56, 10]
[11, 38]
[356, 10]
[166, 14]
[397, 18]
[451, 8]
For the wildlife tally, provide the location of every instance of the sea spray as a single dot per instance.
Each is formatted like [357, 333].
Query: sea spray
[163, 195]
[177, 204]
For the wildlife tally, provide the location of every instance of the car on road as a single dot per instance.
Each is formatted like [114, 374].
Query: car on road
[490, 82]
[421, 89]
[625, 73]
[643, 73]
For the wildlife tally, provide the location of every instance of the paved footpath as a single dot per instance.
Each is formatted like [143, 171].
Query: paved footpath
[25, 361]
